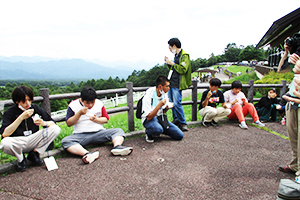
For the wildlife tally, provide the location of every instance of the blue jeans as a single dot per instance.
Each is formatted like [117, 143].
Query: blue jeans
[175, 96]
[154, 128]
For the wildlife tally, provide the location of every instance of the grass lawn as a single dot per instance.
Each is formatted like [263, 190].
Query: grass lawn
[235, 69]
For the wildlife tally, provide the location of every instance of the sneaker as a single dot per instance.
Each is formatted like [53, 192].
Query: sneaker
[258, 123]
[214, 123]
[176, 122]
[149, 138]
[121, 150]
[243, 125]
[184, 127]
[286, 169]
[206, 124]
[21, 166]
[90, 157]
[34, 158]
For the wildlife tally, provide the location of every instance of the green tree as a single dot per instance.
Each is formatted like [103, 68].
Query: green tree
[232, 52]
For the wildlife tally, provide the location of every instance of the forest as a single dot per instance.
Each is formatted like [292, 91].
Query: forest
[140, 78]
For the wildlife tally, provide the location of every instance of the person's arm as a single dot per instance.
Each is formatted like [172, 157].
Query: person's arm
[74, 119]
[100, 120]
[13, 126]
[205, 102]
[283, 58]
[153, 113]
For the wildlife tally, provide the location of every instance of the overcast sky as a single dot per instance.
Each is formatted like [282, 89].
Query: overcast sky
[133, 30]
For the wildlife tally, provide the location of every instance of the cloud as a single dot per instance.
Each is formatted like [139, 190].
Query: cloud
[132, 30]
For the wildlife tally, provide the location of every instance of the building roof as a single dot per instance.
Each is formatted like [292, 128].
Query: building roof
[281, 29]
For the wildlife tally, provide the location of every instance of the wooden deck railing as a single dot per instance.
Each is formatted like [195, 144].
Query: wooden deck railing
[45, 98]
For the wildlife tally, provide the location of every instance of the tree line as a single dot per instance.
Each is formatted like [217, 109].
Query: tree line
[140, 78]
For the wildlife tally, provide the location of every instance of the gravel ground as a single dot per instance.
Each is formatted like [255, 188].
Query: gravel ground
[223, 162]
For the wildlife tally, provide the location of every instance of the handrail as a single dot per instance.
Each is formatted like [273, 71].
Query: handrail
[45, 98]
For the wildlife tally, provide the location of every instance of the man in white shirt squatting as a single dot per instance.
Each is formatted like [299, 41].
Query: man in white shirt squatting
[88, 114]
[154, 104]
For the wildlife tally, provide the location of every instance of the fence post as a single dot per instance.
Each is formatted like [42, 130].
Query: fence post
[250, 91]
[194, 99]
[129, 86]
[44, 92]
[283, 89]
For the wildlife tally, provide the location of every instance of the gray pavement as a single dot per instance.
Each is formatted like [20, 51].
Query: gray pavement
[223, 162]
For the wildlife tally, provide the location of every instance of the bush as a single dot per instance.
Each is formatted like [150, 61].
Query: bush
[273, 78]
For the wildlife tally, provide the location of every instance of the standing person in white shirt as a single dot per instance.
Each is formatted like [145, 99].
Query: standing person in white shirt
[235, 99]
[88, 114]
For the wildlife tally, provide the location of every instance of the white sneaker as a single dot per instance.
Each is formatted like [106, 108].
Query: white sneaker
[258, 123]
[243, 126]
[121, 150]
[90, 157]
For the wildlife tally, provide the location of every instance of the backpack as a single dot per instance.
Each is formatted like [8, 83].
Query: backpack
[139, 107]
[288, 189]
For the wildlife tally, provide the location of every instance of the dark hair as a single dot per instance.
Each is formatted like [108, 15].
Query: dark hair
[175, 41]
[161, 80]
[19, 94]
[236, 84]
[215, 82]
[88, 94]
[274, 90]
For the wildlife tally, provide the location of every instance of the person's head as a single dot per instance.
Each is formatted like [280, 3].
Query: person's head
[22, 96]
[214, 84]
[88, 96]
[174, 44]
[236, 87]
[272, 93]
[162, 84]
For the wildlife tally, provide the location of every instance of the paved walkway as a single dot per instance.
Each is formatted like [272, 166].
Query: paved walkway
[223, 162]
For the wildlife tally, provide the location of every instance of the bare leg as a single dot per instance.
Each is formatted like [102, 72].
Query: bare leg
[77, 149]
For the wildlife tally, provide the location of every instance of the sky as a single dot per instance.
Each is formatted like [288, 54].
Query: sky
[133, 30]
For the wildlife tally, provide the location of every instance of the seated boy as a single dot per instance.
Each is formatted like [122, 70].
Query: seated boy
[20, 129]
[208, 106]
[266, 107]
[87, 114]
[235, 99]
[155, 103]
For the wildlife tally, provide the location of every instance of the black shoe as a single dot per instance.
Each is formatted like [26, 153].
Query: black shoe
[34, 157]
[206, 124]
[213, 123]
[21, 166]
[149, 138]
[176, 122]
[184, 127]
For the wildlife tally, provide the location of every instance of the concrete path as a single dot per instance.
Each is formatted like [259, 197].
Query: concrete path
[223, 162]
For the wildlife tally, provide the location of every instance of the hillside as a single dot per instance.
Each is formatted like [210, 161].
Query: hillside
[59, 69]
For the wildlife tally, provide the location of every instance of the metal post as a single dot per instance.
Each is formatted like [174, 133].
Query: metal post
[129, 86]
[250, 91]
[44, 92]
[194, 99]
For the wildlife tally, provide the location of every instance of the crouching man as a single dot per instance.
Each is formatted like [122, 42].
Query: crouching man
[155, 103]
[20, 129]
[88, 114]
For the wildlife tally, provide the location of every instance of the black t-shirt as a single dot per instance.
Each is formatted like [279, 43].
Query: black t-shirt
[175, 78]
[214, 100]
[13, 112]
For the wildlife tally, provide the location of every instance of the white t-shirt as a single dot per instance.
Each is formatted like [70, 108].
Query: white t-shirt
[229, 96]
[150, 101]
[84, 123]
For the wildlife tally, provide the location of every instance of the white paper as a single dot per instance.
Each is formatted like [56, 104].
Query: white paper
[50, 163]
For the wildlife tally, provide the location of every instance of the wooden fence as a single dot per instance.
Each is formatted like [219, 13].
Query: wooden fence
[45, 98]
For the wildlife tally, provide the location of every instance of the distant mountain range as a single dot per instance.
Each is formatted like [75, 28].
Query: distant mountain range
[19, 67]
